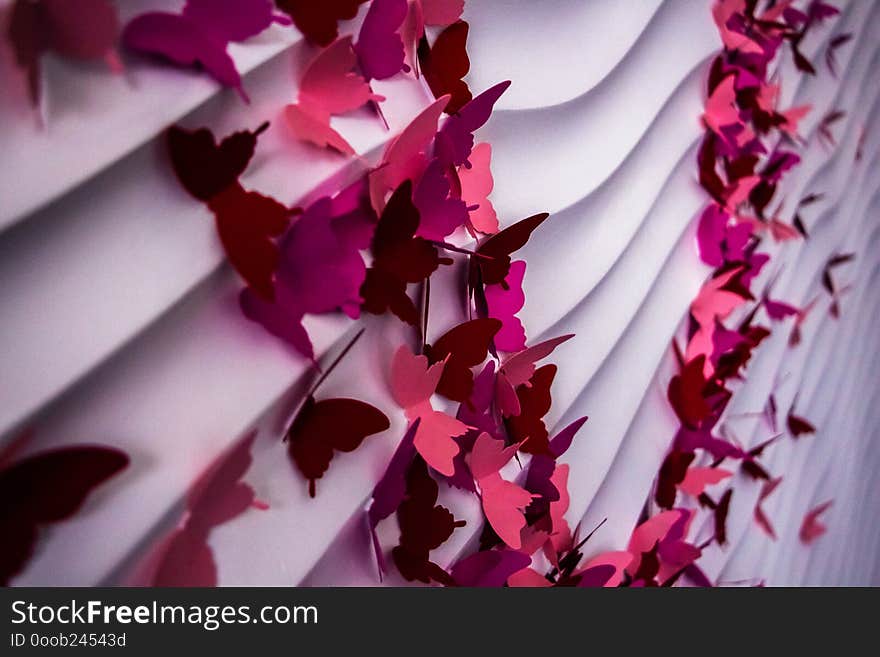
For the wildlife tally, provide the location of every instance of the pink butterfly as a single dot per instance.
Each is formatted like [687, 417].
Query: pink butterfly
[712, 303]
[504, 502]
[413, 382]
[811, 528]
[405, 156]
[697, 479]
[201, 33]
[476, 184]
[720, 110]
[329, 86]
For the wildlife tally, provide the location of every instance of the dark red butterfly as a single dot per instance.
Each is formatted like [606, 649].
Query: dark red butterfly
[445, 64]
[321, 427]
[247, 221]
[46, 488]
[534, 402]
[798, 426]
[672, 473]
[686, 393]
[317, 20]
[492, 269]
[399, 258]
[721, 511]
[424, 526]
[465, 346]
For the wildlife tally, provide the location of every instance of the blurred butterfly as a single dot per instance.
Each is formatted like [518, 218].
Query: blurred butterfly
[47, 488]
[78, 29]
[201, 33]
[811, 527]
[218, 497]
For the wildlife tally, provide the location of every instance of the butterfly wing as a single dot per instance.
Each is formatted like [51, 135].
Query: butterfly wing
[204, 167]
[493, 269]
[247, 223]
[379, 47]
[47, 488]
[183, 42]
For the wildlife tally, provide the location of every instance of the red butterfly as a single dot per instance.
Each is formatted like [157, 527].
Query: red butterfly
[318, 20]
[399, 258]
[320, 427]
[247, 221]
[463, 347]
[47, 488]
[534, 402]
[445, 64]
[493, 267]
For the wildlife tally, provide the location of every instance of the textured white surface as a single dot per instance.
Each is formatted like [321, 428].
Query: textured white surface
[120, 322]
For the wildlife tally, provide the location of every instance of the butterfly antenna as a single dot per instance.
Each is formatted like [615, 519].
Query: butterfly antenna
[378, 109]
[426, 305]
[342, 354]
[321, 380]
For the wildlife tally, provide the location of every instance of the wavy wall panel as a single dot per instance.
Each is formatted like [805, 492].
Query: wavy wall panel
[120, 320]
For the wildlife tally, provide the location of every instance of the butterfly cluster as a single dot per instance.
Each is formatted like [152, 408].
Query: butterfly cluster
[740, 174]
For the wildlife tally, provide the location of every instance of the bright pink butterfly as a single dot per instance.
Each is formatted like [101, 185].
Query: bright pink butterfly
[504, 502]
[720, 110]
[503, 302]
[201, 33]
[715, 301]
